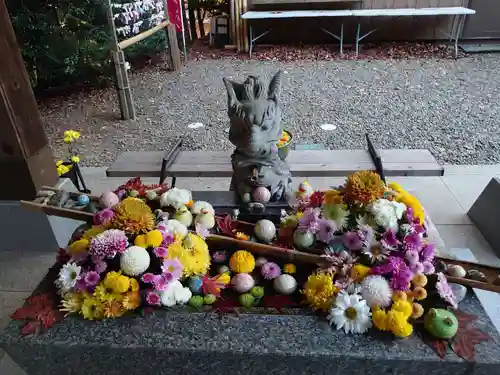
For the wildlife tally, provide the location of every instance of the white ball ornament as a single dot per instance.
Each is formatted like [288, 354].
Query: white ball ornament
[285, 284]
[265, 230]
[134, 261]
[242, 282]
[261, 194]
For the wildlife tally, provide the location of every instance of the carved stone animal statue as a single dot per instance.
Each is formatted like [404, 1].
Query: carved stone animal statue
[255, 117]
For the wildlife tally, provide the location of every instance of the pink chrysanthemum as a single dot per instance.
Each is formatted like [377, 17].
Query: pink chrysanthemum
[148, 278]
[172, 266]
[92, 278]
[445, 292]
[412, 241]
[108, 244]
[417, 267]
[153, 299]
[100, 266]
[161, 252]
[219, 256]
[352, 241]
[103, 216]
[428, 267]
[310, 220]
[389, 240]
[168, 239]
[428, 252]
[326, 232]
[412, 257]
[270, 270]
[160, 283]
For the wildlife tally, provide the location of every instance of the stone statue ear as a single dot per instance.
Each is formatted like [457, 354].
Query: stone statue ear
[275, 87]
[231, 92]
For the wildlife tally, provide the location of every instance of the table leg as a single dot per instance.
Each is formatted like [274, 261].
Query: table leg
[460, 26]
[250, 35]
[357, 37]
[339, 38]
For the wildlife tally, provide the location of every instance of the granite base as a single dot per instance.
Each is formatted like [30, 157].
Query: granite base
[183, 342]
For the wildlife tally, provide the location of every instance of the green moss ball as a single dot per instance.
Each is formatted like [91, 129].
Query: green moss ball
[247, 300]
[196, 301]
[209, 299]
[133, 193]
[257, 291]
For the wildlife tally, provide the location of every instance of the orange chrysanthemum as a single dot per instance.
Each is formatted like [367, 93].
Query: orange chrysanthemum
[364, 187]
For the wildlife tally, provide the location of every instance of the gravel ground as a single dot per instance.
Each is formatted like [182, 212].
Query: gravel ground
[448, 106]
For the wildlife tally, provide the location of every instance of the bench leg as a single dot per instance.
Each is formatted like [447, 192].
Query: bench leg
[460, 25]
[339, 38]
[253, 40]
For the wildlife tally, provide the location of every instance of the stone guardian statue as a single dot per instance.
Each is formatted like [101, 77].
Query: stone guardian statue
[255, 129]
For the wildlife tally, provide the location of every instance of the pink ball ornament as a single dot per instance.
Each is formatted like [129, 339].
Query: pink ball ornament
[242, 282]
[109, 199]
[261, 194]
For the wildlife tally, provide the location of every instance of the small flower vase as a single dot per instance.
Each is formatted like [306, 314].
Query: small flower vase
[75, 175]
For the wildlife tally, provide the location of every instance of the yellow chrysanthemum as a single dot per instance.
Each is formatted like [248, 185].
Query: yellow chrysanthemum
[398, 324]
[110, 279]
[78, 247]
[241, 236]
[104, 294]
[131, 300]
[409, 200]
[72, 303]
[403, 307]
[242, 261]
[113, 309]
[192, 252]
[133, 216]
[289, 268]
[150, 239]
[364, 187]
[92, 308]
[121, 284]
[333, 197]
[379, 318]
[134, 285]
[320, 291]
[359, 272]
[93, 231]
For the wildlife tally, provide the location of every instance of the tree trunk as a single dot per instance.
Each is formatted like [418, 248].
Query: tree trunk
[200, 22]
[192, 22]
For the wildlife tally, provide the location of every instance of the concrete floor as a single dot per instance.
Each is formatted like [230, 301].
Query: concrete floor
[446, 199]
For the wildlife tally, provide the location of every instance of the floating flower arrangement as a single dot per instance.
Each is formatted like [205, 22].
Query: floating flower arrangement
[361, 259]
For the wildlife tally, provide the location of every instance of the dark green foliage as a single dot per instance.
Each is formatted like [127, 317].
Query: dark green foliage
[65, 43]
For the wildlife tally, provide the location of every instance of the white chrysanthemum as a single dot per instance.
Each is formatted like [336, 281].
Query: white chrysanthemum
[350, 313]
[134, 261]
[387, 213]
[199, 206]
[376, 291]
[68, 276]
[175, 294]
[177, 228]
[175, 198]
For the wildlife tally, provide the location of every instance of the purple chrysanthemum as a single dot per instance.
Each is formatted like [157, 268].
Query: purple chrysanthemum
[172, 266]
[108, 244]
[428, 267]
[401, 274]
[389, 240]
[412, 241]
[428, 252]
[310, 220]
[153, 299]
[445, 292]
[417, 267]
[352, 241]
[401, 280]
[103, 216]
[326, 232]
[270, 270]
[168, 238]
[160, 252]
[412, 257]
[92, 278]
[100, 266]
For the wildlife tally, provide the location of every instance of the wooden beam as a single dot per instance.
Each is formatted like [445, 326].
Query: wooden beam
[137, 38]
[26, 160]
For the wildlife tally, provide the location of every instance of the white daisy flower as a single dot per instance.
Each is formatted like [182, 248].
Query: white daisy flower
[68, 276]
[350, 313]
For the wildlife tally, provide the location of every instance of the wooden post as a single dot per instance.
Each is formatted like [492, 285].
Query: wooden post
[26, 161]
[123, 89]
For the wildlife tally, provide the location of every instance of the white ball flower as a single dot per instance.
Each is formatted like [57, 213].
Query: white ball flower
[175, 293]
[350, 313]
[199, 206]
[387, 213]
[175, 198]
[182, 295]
[134, 261]
[376, 291]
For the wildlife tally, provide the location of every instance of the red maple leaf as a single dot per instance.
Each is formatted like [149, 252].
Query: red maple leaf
[464, 343]
[464, 319]
[316, 199]
[440, 347]
[226, 225]
[39, 312]
[211, 285]
[136, 184]
[225, 306]
[278, 302]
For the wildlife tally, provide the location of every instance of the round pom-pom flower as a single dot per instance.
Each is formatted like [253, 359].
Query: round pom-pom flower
[270, 270]
[108, 244]
[376, 291]
[134, 261]
[242, 262]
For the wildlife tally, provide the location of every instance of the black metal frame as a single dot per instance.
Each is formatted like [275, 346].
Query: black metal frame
[376, 158]
[167, 161]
